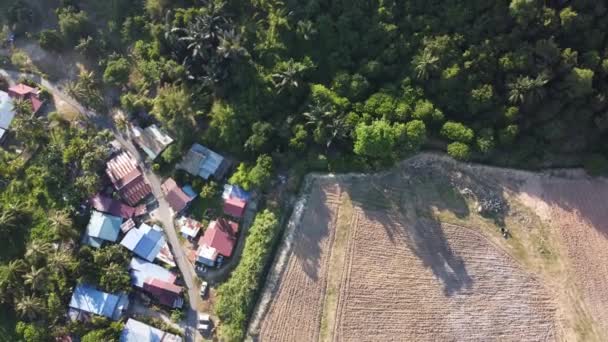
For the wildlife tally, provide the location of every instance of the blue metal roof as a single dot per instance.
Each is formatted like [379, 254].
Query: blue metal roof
[136, 331]
[142, 270]
[145, 241]
[235, 191]
[88, 299]
[187, 189]
[103, 226]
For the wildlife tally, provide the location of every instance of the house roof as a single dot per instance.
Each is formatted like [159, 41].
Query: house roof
[206, 255]
[127, 178]
[234, 207]
[111, 206]
[144, 241]
[201, 161]
[167, 293]
[142, 270]
[188, 226]
[26, 92]
[220, 236]
[166, 256]
[22, 89]
[152, 140]
[6, 110]
[136, 331]
[175, 196]
[235, 191]
[103, 226]
[90, 300]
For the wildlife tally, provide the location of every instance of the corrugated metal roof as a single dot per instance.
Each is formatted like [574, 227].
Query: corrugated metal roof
[111, 206]
[142, 270]
[90, 300]
[136, 331]
[234, 207]
[178, 200]
[103, 226]
[201, 161]
[152, 140]
[219, 238]
[144, 241]
[127, 178]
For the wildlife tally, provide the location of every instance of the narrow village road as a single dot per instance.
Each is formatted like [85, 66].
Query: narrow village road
[163, 211]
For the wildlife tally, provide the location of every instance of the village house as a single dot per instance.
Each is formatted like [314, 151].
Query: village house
[136, 331]
[114, 207]
[156, 281]
[26, 93]
[6, 114]
[102, 227]
[151, 140]
[201, 161]
[177, 198]
[219, 239]
[87, 301]
[145, 241]
[127, 179]
[189, 228]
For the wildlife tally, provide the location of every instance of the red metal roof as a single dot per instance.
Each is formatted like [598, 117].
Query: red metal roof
[111, 206]
[165, 292]
[21, 89]
[220, 236]
[234, 207]
[127, 178]
[175, 196]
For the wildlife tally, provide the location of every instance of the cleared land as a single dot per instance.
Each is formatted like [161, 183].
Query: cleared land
[406, 255]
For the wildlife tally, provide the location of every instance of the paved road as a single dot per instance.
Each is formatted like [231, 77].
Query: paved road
[164, 213]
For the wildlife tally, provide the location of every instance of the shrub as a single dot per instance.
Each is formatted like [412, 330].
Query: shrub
[117, 72]
[456, 131]
[236, 297]
[73, 25]
[459, 151]
[50, 40]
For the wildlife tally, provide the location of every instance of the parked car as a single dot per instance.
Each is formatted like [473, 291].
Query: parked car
[204, 286]
[204, 322]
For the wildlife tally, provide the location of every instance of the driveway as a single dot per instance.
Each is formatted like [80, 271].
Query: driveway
[163, 211]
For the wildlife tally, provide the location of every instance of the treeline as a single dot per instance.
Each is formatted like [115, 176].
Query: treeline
[237, 297]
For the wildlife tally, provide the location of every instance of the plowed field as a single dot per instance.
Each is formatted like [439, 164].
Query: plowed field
[407, 256]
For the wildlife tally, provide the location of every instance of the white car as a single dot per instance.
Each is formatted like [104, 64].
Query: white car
[204, 286]
[204, 322]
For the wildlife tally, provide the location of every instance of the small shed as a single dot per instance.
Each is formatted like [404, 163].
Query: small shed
[151, 140]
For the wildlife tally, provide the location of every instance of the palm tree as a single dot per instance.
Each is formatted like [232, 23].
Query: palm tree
[37, 250]
[23, 108]
[61, 223]
[29, 307]
[231, 45]
[526, 89]
[424, 64]
[322, 115]
[12, 280]
[288, 78]
[35, 278]
[61, 262]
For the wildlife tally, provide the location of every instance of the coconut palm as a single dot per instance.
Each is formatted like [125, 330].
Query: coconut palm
[61, 262]
[35, 278]
[12, 280]
[424, 64]
[37, 250]
[289, 76]
[527, 89]
[29, 307]
[61, 223]
[23, 108]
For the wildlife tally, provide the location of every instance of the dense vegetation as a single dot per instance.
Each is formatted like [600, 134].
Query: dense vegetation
[238, 295]
[329, 85]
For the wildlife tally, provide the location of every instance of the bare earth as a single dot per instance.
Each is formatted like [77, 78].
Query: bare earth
[405, 256]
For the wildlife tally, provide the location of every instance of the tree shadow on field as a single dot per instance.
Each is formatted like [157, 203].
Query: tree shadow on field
[575, 193]
[313, 229]
[403, 202]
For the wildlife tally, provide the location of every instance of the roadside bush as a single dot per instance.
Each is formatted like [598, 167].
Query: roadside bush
[50, 40]
[459, 151]
[237, 296]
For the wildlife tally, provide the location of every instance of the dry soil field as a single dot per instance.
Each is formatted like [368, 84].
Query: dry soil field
[417, 254]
